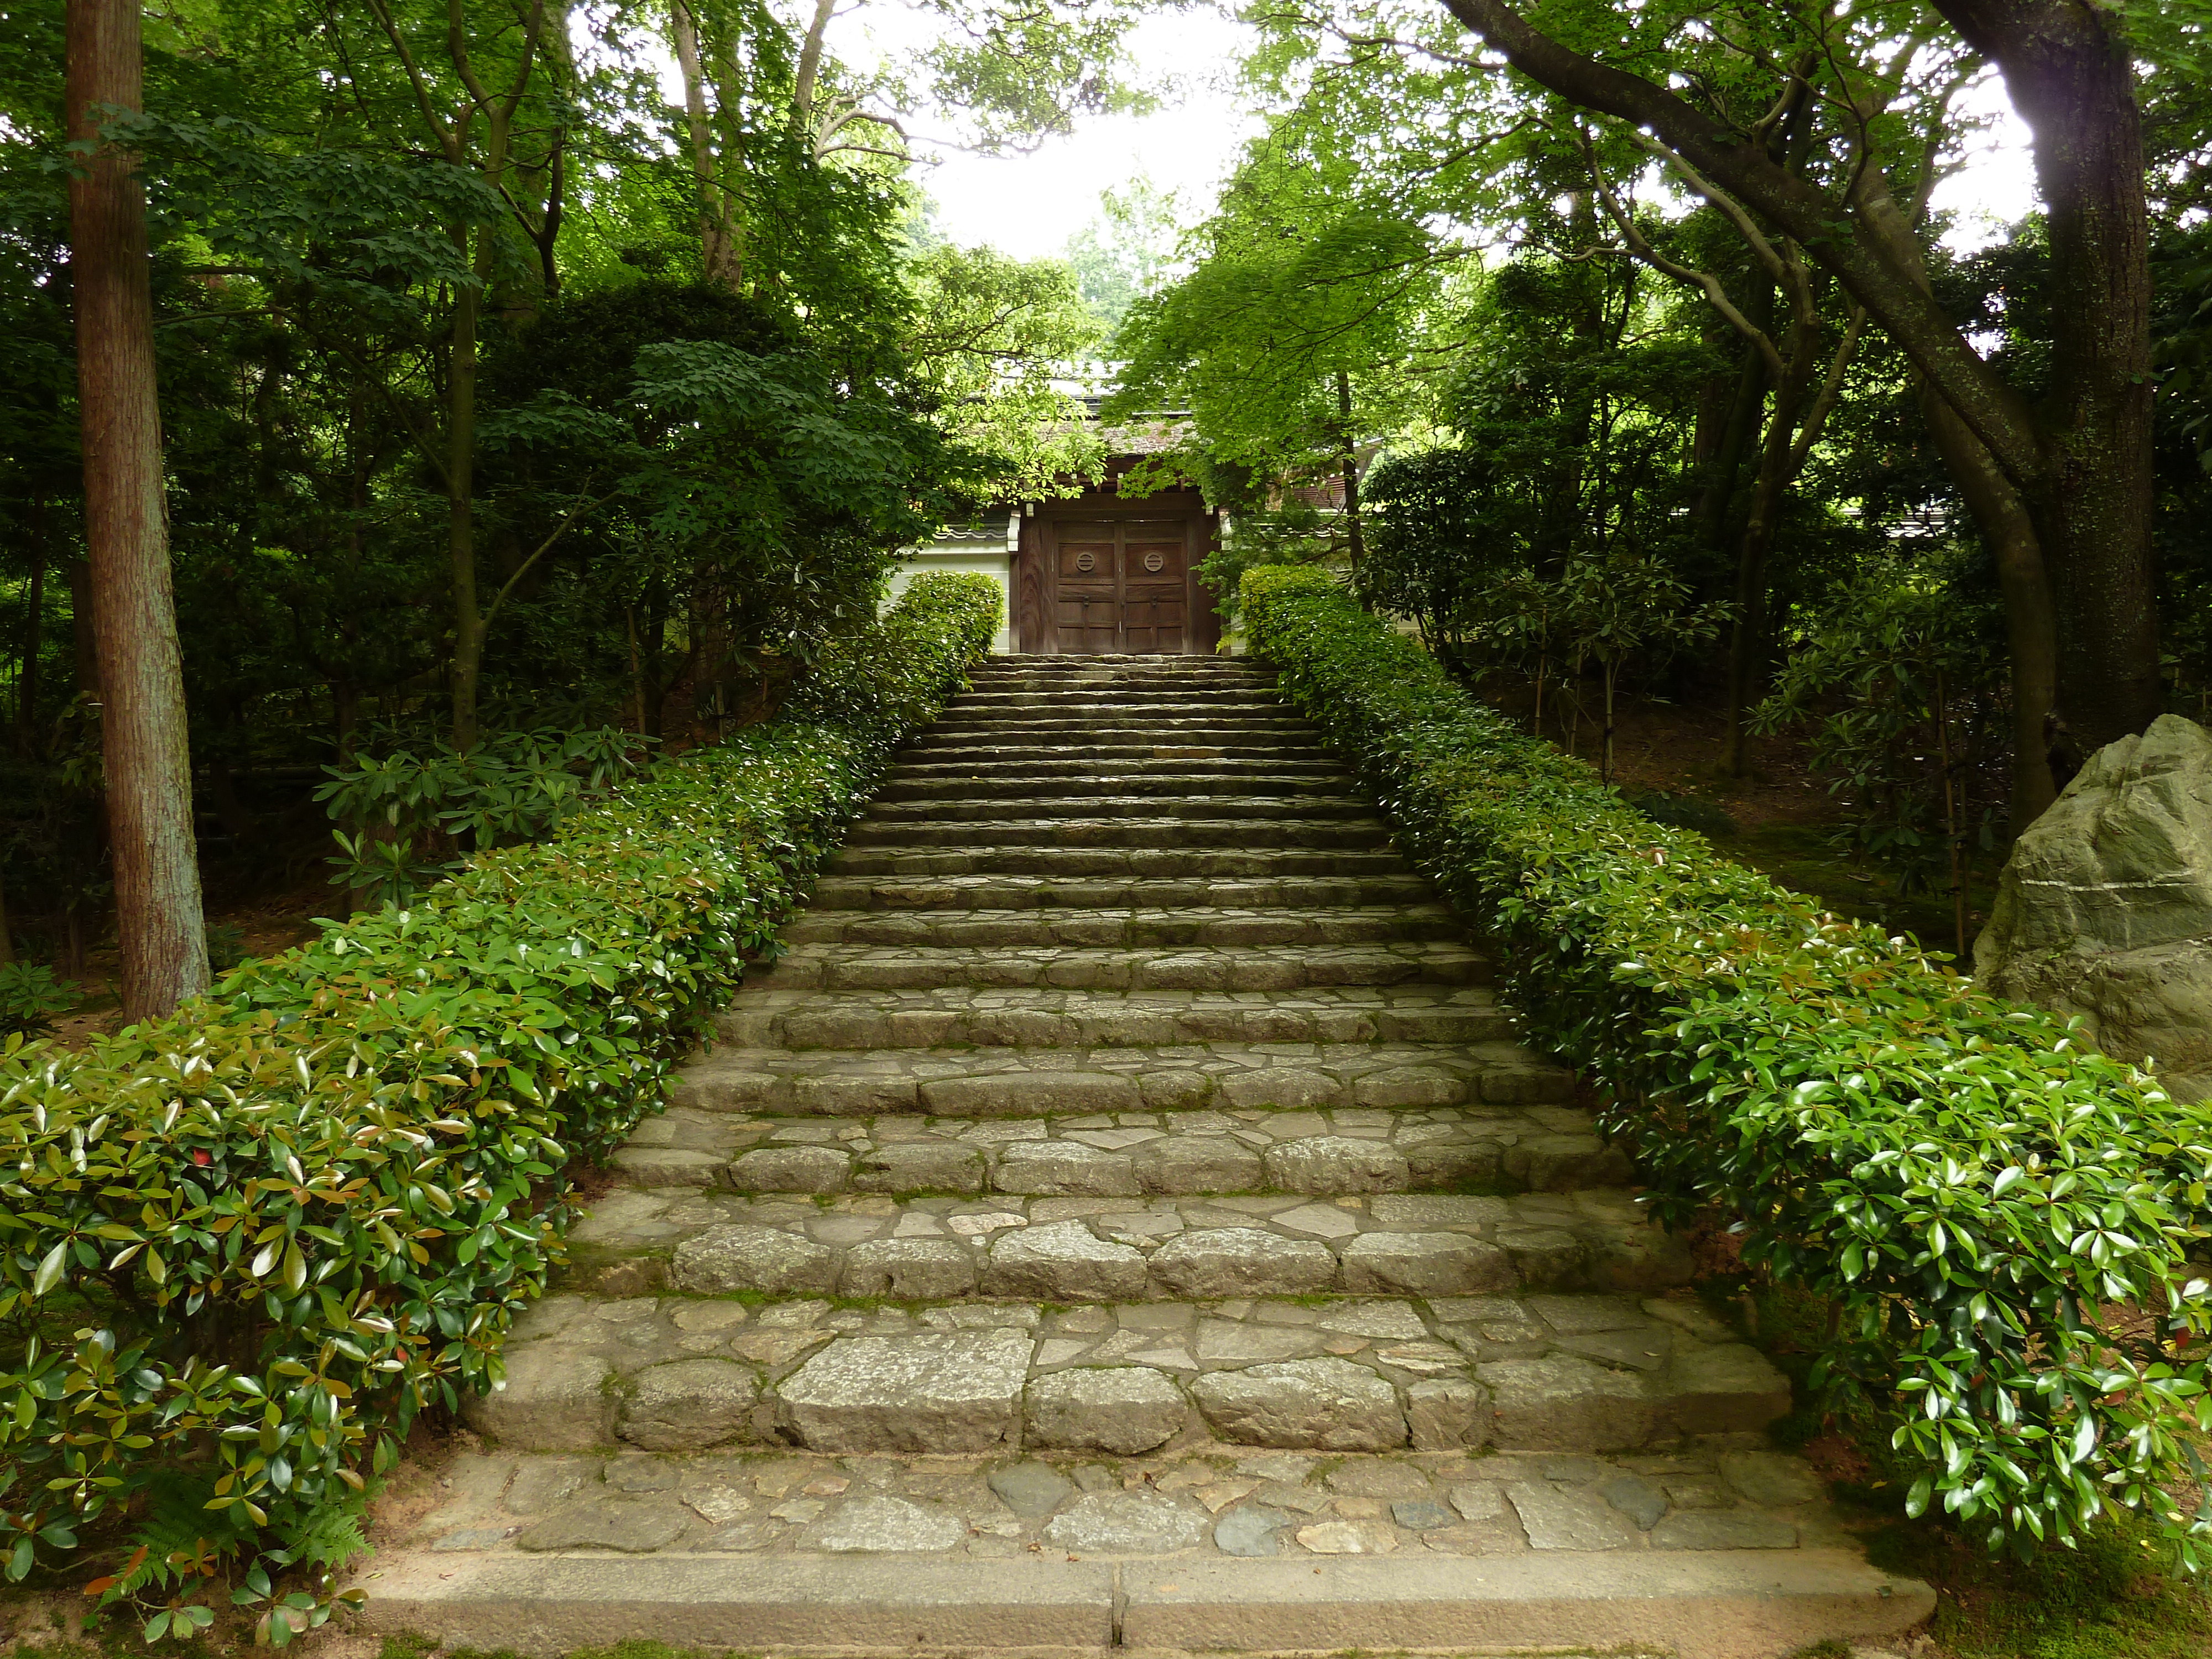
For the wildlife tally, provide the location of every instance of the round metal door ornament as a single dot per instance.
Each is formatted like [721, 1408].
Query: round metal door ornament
[1153, 561]
[1086, 563]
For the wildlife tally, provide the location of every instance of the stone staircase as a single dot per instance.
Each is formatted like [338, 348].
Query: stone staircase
[1123, 1218]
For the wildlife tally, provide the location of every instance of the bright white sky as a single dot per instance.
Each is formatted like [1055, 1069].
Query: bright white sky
[1029, 205]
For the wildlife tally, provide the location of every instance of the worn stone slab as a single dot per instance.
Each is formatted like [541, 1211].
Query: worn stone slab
[689, 1405]
[550, 1397]
[1138, 1523]
[1194, 968]
[1143, 1247]
[1131, 928]
[1717, 1607]
[1329, 1404]
[549, 1607]
[938, 1393]
[1125, 1409]
[765, 1020]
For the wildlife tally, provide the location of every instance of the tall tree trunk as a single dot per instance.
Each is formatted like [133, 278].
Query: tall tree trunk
[460, 527]
[547, 235]
[2030, 629]
[1746, 637]
[808, 77]
[2008, 527]
[717, 255]
[35, 627]
[1709, 509]
[1559, 512]
[2069, 73]
[1348, 465]
[84, 653]
[145, 747]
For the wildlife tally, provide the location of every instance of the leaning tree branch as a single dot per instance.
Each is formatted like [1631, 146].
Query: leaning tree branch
[1846, 245]
[1831, 390]
[584, 505]
[1716, 292]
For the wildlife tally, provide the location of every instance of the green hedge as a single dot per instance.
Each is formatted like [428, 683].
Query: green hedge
[1981, 1199]
[242, 1246]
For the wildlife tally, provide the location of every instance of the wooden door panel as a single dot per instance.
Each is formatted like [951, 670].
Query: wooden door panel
[1154, 626]
[1089, 611]
[1154, 567]
[1122, 587]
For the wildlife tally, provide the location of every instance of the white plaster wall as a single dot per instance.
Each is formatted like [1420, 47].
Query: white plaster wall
[978, 561]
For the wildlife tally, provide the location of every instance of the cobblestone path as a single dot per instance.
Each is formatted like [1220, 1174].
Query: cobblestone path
[1130, 1160]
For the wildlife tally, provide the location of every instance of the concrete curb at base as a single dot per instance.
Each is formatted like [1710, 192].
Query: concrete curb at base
[1733, 1605]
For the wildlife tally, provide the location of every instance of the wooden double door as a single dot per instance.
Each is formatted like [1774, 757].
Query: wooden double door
[1122, 584]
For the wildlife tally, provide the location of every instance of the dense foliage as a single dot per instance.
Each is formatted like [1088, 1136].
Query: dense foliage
[503, 392]
[2001, 1220]
[1461, 329]
[243, 1248]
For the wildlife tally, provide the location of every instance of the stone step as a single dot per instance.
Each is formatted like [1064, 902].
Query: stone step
[988, 1145]
[874, 1571]
[1096, 770]
[1381, 1084]
[1536, 1373]
[1198, 670]
[1148, 832]
[1083, 751]
[980, 802]
[1165, 724]
[1050, 894]
[1122, 929]
[768, 1017]
[1082, 1249]
[1077, 662]
[1059, 860]
[966, 786]
[1132, 700]
[1196, 968]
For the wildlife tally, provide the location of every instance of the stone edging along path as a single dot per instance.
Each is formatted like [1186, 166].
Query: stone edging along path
[1123, 1218]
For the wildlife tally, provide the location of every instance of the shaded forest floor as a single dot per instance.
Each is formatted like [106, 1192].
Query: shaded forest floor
[1784, 819]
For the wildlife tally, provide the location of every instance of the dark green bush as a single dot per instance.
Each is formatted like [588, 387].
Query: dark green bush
[243, 1247]
[1707, 818]
[1999, 1218]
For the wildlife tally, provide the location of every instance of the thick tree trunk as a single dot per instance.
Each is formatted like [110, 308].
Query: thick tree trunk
[145, 747]
[2069, 71]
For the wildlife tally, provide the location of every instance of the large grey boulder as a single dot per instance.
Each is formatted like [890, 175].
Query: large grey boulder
[2105, 909]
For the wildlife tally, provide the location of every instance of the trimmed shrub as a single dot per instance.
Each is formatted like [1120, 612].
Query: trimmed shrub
[1999, 1218]
[244, 1246]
